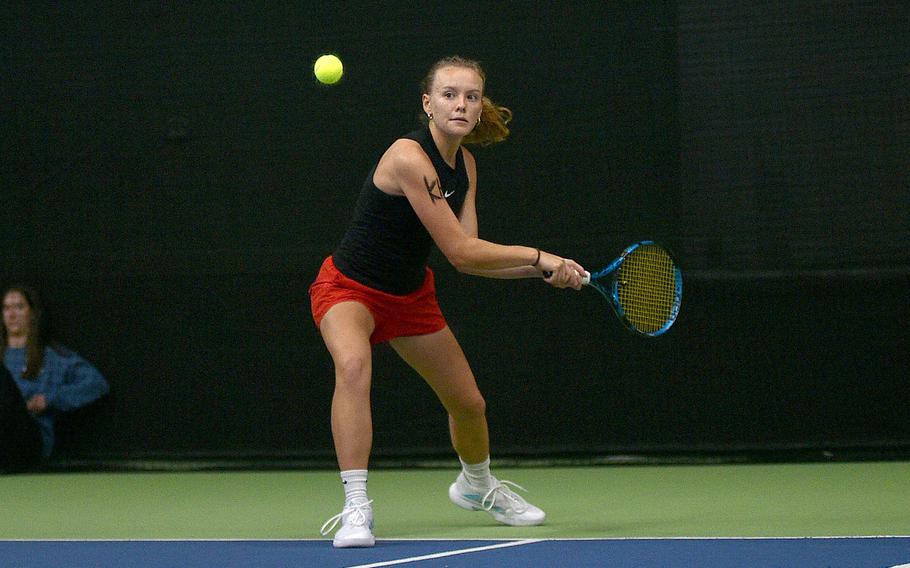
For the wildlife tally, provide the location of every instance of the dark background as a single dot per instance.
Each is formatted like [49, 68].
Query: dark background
[173, 176]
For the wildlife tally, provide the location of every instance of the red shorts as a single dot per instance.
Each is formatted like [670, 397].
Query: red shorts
[416, 313]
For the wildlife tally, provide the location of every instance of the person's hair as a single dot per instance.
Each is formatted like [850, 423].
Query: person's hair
[493, 118]
[35, 342]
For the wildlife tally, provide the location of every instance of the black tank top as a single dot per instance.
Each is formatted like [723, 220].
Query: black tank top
[386, 247]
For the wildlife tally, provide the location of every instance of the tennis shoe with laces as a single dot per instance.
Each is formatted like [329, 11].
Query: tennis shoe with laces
[498, 500]
[356, 530]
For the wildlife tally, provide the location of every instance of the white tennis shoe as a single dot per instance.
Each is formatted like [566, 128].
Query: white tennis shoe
[356, 529]
[498, 500]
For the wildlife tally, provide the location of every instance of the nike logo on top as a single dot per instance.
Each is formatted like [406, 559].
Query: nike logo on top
[435, 189]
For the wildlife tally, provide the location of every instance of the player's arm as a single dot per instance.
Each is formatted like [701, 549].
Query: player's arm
[468, 220]
[406, 170]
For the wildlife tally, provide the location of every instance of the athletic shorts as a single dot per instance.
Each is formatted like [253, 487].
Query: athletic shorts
[416, 313]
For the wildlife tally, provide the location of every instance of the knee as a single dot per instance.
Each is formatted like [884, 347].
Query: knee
[352, 372]
[470, 406]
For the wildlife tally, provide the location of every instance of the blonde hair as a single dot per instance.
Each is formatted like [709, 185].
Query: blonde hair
[493, 118]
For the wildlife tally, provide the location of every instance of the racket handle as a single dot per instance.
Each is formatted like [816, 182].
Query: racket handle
[585, 280]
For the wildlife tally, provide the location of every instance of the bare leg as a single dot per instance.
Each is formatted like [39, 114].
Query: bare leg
[346, 330]
[438, 358]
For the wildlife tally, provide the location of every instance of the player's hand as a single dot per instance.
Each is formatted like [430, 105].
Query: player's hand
[561, 272]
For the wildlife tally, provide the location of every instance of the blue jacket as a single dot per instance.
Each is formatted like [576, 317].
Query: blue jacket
[66, 380]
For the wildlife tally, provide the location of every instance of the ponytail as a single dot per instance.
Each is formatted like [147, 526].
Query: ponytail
[492, 126]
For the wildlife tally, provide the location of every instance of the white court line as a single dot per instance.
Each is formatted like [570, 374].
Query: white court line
[449, 553]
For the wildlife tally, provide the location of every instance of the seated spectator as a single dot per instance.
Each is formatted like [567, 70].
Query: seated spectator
[38, 381]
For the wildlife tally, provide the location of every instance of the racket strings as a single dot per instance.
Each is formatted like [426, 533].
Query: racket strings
[647, 288]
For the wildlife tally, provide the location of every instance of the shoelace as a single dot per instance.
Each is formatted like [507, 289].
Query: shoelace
[516, 503]
[359, 516]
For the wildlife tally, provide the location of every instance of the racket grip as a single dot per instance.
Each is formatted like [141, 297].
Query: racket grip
[585, 280]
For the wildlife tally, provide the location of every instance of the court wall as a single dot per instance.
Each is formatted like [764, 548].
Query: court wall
[173, 176]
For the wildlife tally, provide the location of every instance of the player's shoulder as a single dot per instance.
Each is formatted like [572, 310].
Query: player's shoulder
[402, 164]
[405, 153]
[406, 147]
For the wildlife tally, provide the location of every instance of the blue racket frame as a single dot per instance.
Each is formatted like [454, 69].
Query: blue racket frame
[610, 291]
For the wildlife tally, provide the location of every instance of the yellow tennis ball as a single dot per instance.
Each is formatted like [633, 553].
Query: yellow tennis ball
[328, 69]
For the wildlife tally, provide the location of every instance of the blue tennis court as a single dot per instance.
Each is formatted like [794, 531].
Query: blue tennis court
[847, 552]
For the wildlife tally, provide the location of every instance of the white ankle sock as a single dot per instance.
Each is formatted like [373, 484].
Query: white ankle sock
[355, 485]
[477, 474]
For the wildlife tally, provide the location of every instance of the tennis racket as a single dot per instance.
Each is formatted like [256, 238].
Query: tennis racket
[644, 287]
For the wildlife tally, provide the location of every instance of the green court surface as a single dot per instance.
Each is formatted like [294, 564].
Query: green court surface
[808, 499]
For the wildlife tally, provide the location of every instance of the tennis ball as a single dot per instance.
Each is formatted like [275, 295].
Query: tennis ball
[328, 69]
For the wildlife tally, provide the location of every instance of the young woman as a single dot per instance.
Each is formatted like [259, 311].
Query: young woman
[376, 287]
[37, 382]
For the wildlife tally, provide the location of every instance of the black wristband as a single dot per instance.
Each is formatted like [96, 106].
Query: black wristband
[538, 258]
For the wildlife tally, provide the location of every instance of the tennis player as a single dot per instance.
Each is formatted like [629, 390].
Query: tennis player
[376, 287]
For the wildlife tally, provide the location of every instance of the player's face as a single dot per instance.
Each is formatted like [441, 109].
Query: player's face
[16, 314]
[455, 100]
